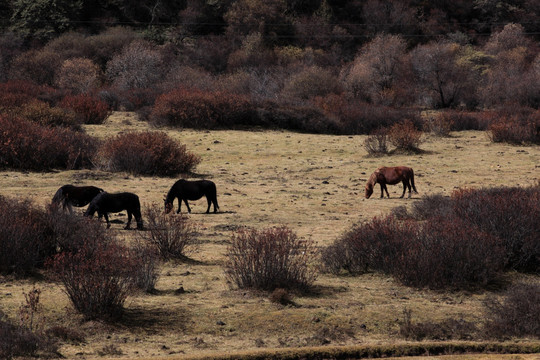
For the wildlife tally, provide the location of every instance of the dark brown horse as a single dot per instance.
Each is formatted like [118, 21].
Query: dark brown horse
[106, 203]
[71, 195]
[392, 176]
[185, 190]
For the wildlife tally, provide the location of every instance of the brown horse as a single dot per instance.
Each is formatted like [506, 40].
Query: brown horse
[392, 176]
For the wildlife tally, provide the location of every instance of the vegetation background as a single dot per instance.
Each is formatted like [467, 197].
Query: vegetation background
[288, 106]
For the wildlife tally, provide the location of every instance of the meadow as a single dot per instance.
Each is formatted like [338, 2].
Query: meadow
[314, 185]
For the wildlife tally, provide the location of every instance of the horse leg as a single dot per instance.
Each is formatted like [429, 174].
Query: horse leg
[382, 190]
[187, 205]
[106, 218]
[404, 189]
[129, 221]
[409, 187]
[385, 189]
[179, 205]
[209, 203]
[138, 219]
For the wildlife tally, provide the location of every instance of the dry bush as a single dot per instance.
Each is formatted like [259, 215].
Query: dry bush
[517, 314]
[79, 75]
[429, 206]
[39, 66]
[89, 109]
[16, 93]
[97, 278]
[18, 341]
[439, 124]
[311, 82]
[23, 239]
[171, 236]
[439, 253]
[139, 65]
[29, 146]
[107, 44]
[516, 129]
[510, 214]
[198, 109]
[404, 135]
[377, 142]
[146, 153]
[270, 258]
[43, 114]
[465, 120]
[147, 273]
[450, 329]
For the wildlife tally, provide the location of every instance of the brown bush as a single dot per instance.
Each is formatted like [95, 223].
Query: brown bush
[269, 259]
[515, 130]
[25, 145]
[147, 273]
[16, 93]
[311, 82]
[18, 341]
[377, 142]
[171, 236]
[97, 278]
[41, 113]
[39, 66]
[197, 109]
[146, 153]
[439, 124]
[23, 239]
[89, 109]
[516, 314]
[404, 135]
[79, 75]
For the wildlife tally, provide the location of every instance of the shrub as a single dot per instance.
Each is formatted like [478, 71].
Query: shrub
[449, 329]
[464, 120]
[18, 341]
[41, 113]
[28, 146]
[147, 273]
[516, 314]
[269, 259]
[377, 142]
[16, 93]
[404, 135]
[510, 214]
[146, 153]
[311, 82]
[197, 109]
[439, 253]
[439, 124]
[79, 75]
[515, 130]
[22, 237]
[172, 236]
[89, 109]
[97, 278]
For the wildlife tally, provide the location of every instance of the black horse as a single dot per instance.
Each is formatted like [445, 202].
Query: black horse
[105, 203]
[71, 195]
[185, 190]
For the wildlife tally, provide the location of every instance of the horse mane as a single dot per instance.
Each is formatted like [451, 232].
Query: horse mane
[373, 178]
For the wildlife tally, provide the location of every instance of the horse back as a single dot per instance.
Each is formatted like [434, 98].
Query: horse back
[393, 175]
[116, 202]
[194, 190]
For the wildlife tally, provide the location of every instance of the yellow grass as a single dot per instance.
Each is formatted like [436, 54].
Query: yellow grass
[314, 184]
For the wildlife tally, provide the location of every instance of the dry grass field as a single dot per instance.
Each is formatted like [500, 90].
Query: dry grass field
[314, 184]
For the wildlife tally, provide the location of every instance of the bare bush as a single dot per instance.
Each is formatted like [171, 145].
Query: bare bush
[146, 153]
[311, 82]
[172, 236]
[79, 75]
[516, 314]
[377, 142]
[147, 273]
[269, 259]
[97, 278]
[404, 135]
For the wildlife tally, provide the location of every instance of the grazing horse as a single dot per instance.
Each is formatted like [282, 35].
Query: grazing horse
[185, 190]
[392, 176]
[70, 195]
[106, 203]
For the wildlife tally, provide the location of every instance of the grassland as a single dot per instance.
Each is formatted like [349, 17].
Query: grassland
[313, 184]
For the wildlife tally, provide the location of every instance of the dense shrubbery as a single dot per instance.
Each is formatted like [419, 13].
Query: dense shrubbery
[28, 146]
[98, 277]
[193, 108]
[468, 239]
[269, 259]
[89, 109]
[146, 153]
[516, 314]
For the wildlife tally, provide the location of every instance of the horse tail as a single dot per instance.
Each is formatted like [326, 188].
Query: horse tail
[214, 190]
[412, 181]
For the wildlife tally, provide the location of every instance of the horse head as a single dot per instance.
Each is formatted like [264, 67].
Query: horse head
[168, 205]
[370, 184]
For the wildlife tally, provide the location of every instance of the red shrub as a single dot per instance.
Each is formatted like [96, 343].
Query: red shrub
[16, 93]
[197, 109]
[25, 145]
[404, 135]
[97, 278]
[41, 113]
[89, 109]
[269, 259]
[511, 215]
[146, 153]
